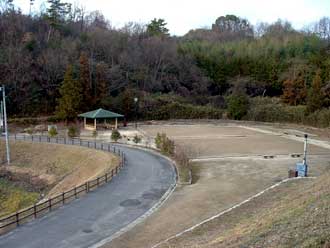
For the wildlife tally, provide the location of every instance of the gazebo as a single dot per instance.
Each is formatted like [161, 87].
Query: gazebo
[99, 116]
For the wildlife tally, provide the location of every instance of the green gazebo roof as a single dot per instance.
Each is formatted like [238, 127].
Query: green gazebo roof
[100, 114]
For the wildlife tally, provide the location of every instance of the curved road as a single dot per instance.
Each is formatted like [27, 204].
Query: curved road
[103, 212]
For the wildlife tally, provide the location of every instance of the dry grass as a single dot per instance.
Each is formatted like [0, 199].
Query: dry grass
[59, 167]
[294, 215]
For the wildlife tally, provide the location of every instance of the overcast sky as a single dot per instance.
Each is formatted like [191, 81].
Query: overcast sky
[184, 15]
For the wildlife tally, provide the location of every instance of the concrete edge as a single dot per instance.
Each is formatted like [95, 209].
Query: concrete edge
[228, 210]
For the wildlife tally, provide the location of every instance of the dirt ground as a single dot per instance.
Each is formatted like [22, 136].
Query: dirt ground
[213, 141]
[220, 181]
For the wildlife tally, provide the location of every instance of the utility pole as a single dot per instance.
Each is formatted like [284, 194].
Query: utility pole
[5, 122]
[136, 104]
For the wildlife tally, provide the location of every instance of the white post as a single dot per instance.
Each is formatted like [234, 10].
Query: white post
[116, 124]
[95, 124]
[6, 125]
[84, 122]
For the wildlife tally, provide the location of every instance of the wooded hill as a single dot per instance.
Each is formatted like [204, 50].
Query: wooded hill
[63, 60]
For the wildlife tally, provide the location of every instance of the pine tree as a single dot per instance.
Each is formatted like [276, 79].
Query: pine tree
[71, 97]
[315, 96]
[85, 81]
[101, 84]
[157, 27]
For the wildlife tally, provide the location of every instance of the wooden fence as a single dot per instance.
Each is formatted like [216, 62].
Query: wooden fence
[37, 210]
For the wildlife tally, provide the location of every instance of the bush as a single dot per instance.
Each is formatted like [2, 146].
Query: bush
[165, 145]
[115, 135]
[177, 110]
[52, 132]
[29, 130]
[272, 110]
[73, 131]
[94, 134]
[137, 139]
[238, 106]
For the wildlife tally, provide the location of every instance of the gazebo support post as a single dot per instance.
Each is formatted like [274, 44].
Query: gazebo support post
[116, 124]
[95, 124]
[85, 123]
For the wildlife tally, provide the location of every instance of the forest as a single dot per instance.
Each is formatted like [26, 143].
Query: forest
[64, 60]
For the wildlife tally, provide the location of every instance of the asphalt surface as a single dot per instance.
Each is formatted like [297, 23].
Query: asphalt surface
[103, 212]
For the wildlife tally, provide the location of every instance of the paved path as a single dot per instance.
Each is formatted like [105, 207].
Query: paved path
[103, 212]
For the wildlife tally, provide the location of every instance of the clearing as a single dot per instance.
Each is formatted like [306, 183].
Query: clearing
[227, 169]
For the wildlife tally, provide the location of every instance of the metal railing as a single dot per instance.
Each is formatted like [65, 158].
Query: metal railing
[11, 221]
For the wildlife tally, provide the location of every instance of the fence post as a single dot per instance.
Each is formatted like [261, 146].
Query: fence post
[35, 211]
[88, 144]
[63, 198]
[32, 137]
[95, 144]
[39, 138]
[114, 149]
[111, 173]
[17, 219]
[24, 137]
[106, 177]
[72, 142]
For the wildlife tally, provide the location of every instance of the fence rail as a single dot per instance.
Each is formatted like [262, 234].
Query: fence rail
[37, 210]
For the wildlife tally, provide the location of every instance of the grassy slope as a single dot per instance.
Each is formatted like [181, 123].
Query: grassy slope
[60, 167]
[13, 198]
[296, 214]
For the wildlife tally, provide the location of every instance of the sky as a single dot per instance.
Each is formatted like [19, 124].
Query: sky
[184, 15]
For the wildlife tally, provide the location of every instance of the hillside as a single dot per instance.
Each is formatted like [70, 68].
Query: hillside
[296, 214]
[46, 169]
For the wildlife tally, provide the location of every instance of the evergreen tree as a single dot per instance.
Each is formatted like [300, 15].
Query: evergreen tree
[85, 81]
[56, 14]
[71, 97]
[157, 27]
[101, 84]
[315, 96]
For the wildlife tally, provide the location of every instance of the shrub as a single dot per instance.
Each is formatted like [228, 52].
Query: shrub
[175, 110]
[115, 135]
[158, 140]
[52, 132]
[94, 134]
[137, 139]
[238, 106]
[165, 145]
[272, 110]
[29, 130]
[73, 131]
